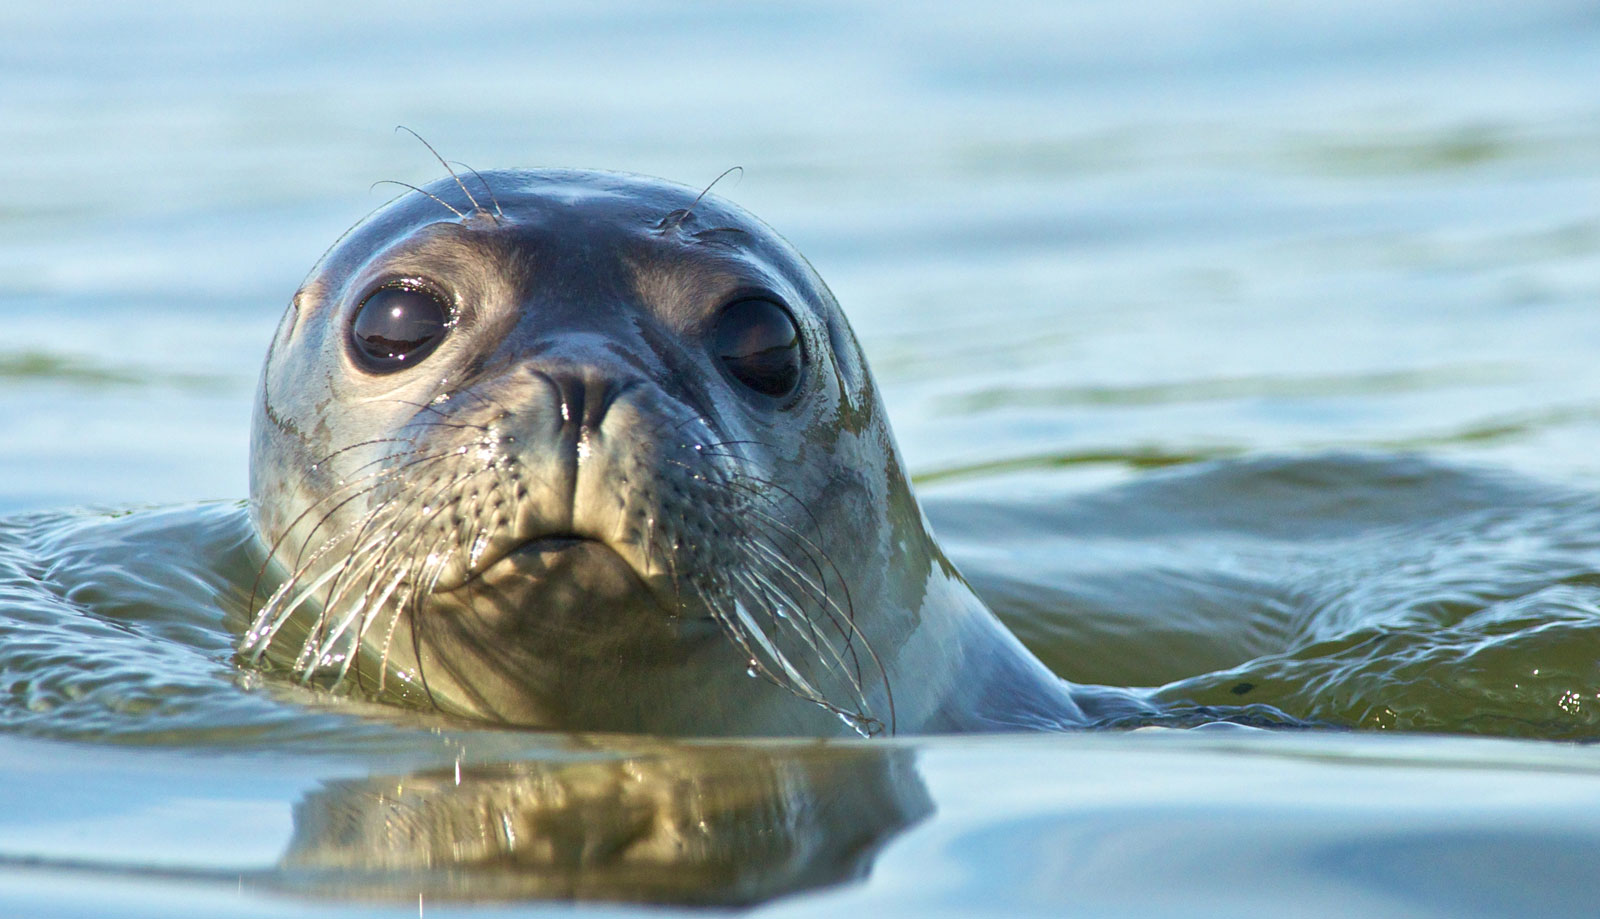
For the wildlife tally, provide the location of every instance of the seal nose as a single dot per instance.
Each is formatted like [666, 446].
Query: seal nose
[583, 399]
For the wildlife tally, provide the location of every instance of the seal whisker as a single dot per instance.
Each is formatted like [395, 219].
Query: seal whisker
[366, 485]
[745, 477]
[505, 410]
[711, 445]
[400, 600]
[377, 479]
[736, 633]
[824, 602]
[320, 641]
[459, 184]
[374, 598]
[420, 589]
[859, 720]
[319, 461]
[781, 566]
[272, 550]
[372, 604]
[373, 557]
[676, 218]
[700, 419]
[421, 406]
[363, 557]
[411, 603]
[784, 564]
[303, 565]
[387, 461]
[795, 679]
[773, 597]
[420, 191]
[413, 500]
[742, 629]
[377, 549]
[275, 612]
[815, 588]
[485, 183]
[811, 550]
[811, 553]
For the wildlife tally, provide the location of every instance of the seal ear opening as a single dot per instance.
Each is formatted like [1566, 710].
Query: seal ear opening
[289, 322]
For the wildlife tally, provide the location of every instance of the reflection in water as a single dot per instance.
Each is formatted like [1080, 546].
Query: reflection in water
[705, 825]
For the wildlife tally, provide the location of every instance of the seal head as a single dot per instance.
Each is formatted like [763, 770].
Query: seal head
[603, 454]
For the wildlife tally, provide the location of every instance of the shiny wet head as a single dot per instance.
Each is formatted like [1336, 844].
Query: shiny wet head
[589, 456]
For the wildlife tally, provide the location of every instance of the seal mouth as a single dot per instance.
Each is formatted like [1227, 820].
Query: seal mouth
[539, 552]
[553, 542]
[572, 582]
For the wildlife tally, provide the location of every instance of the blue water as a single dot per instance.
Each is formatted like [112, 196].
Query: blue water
[1241, 351]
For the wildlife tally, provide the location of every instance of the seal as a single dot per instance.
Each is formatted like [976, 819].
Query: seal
[592, 451]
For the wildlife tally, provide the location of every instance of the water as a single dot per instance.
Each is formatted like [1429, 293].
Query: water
[1242, 352]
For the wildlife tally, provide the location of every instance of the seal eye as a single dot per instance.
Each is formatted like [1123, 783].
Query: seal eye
[398, 325]
[759, 346]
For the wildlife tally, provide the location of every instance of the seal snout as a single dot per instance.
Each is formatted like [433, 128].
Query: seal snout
[565, 455]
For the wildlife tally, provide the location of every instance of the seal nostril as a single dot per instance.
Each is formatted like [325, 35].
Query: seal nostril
[572, 391]
[583, 403]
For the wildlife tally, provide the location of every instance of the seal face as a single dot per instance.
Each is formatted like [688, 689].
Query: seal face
[604, 455]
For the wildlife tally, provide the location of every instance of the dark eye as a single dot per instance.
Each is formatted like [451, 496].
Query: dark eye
[759, 346]
[398, 326]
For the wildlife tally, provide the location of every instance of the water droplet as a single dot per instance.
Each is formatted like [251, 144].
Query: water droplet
[780, 612]
[754, 669]
[862, 725]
